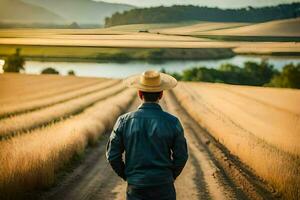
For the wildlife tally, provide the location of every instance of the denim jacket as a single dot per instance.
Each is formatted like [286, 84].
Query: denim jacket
[154, 144]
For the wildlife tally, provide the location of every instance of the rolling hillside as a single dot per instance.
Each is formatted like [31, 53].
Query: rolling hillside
[16, 11]
[149, 27]
[81, 11]
[199, 27]
[180, 13]
[279, 28]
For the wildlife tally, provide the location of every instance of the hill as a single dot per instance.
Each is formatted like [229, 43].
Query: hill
[16, 11]
[198, 28]
[82, 11]
[279, 28]
[189, 13]
[149, 27]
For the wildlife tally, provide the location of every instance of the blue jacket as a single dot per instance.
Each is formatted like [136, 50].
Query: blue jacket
[154, 144]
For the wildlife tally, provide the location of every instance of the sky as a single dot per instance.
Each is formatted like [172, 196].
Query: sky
[209, 3]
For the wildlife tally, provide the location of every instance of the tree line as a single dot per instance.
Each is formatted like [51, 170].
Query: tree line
[179, 13]
[251, 73]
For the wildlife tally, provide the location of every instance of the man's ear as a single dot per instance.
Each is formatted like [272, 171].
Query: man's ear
[161, 95]
[140, 94]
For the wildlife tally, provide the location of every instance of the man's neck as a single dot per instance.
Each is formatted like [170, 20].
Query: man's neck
[151, 102]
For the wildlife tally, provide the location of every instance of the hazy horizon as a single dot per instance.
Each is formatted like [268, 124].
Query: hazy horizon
[209, 3]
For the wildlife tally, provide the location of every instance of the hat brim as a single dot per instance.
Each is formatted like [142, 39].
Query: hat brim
[167, 82]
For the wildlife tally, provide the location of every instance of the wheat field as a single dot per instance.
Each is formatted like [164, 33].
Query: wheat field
[287, 28]
[45, 136]
[260, 126]
[49, 120]
[198, 28]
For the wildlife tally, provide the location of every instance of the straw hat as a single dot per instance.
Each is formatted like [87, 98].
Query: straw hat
[151, 81]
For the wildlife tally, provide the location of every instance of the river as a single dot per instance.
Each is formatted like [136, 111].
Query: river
[120, 70]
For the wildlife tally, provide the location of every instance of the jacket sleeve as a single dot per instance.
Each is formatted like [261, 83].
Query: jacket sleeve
[179, 151]
[115, 149]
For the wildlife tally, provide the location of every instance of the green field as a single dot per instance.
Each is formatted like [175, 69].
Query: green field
[116, 54]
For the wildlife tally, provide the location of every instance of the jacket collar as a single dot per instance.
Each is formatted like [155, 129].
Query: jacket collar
[150, 105]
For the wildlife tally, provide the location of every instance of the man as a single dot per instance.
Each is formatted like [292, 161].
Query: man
[153, 141]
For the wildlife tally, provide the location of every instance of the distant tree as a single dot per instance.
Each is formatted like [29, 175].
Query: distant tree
[227, 67]
[288, 78]
[71, 73]
[176, 75]
[49, 70]
[15, 62]
[200, 74]
[258, 73]
[74, 25]
[106, 22]
[163, 70]
[230, 73]
[190, 74]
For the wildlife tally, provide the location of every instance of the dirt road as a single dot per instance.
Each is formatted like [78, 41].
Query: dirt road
[211, 172]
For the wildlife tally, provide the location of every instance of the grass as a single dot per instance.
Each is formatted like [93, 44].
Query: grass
[115, 54]
[32, 161]
[260, 127]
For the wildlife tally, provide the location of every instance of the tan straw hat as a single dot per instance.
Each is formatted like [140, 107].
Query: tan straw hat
[151, 81]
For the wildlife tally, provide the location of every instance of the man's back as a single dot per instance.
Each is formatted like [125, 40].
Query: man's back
[153, 141]
[154, 144]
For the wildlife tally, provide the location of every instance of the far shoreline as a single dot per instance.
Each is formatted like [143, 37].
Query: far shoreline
[125, 55]
[115, 54]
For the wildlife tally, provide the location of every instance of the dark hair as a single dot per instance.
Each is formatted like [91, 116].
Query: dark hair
[151, 96]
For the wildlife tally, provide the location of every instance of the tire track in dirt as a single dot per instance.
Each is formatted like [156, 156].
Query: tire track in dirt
[191, 183]
[216, 186]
